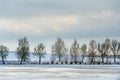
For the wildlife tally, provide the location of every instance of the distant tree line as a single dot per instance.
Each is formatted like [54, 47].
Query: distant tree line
[107, 52]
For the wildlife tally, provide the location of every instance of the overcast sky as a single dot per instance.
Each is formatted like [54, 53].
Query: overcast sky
[45, 20]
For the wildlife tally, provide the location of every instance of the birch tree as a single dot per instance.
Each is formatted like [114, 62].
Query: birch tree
[92, 51]
[59, 48]
[115, 48]
[74, 51]
[39, 51]
[84, 51]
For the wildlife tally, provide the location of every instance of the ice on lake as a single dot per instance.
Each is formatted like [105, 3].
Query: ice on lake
[60, 72]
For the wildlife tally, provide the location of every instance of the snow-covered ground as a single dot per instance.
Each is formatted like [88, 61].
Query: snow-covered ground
[60, 72]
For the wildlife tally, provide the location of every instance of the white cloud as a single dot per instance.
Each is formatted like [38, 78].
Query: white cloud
[59, 24]
[37, 24]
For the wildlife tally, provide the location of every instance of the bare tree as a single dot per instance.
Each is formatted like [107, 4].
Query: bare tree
[39, 51]
[23, 50]
[115, 48]
[53, 58]
[92, 51]
[65, 56]
[3, 53]
[59, 48]
[104, 48]
[84, 51]
[101, 50]
[74, 51]
[53, 54]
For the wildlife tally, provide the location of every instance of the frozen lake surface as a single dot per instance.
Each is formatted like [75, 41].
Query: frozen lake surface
[60, 72]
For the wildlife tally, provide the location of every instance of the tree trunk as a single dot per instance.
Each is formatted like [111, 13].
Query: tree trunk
[59, 58]
[114, 58]
[92, 60]
[82, 58]
[75, 59]
[107, 59]
[21, 61]
[39, 59]
[102, 56]
[71, 59]
[3, 60]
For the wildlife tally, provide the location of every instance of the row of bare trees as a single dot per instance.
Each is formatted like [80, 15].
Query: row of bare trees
[104, 51]
[23, 52]
[59, 52]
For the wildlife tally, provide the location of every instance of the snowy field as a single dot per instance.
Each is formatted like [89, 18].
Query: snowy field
[60, 72]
